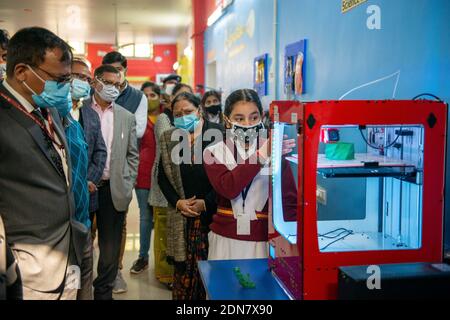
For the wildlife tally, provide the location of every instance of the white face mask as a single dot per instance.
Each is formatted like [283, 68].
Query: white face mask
[2, 70]
[169, 89]
[109, 93]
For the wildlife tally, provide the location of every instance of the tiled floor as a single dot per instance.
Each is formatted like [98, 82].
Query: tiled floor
[143, 286]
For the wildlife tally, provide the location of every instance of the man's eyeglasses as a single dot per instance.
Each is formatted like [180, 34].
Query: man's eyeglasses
[109, 83]
[81, 76]
[61, 79]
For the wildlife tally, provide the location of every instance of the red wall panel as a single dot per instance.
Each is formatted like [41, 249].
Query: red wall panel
[138, 67]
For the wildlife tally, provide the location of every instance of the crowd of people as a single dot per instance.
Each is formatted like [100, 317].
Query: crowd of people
[74, 146]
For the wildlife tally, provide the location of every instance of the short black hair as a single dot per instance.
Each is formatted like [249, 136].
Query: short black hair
[4, 39]
[113, 57]
[180, 86]
[103, 69]
[242, 95]
[30, 45]
[155, 88]
[188, 97]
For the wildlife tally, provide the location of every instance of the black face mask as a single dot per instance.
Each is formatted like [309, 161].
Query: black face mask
[214, 109]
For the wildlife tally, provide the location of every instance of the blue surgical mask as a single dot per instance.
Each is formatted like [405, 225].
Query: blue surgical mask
[55, 95]
[80, 89]
[188, 122]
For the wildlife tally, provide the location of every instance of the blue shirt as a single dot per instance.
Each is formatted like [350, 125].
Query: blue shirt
[78, 151]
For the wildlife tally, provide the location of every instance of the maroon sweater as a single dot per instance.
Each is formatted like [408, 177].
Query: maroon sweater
[147, 152]
[229, 185]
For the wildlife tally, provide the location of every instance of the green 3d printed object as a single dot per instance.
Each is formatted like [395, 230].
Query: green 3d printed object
[244, 281]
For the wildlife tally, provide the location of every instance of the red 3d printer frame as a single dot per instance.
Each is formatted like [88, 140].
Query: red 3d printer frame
[304, 271]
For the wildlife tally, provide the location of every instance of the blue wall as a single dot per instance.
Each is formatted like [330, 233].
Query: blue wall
[235, 70]
[342, 52]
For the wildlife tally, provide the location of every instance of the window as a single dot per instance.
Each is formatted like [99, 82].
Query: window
[138, 50]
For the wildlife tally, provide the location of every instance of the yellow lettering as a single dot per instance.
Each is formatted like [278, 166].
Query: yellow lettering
[350, 4]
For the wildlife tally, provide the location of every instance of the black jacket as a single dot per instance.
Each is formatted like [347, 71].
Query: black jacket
[195, 180]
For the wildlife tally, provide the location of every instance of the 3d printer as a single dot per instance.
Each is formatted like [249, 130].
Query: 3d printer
[380, 203]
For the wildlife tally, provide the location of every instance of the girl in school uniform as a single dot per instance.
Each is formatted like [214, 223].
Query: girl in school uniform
[238, 171]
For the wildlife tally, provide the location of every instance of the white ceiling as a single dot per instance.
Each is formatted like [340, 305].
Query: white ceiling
[157, 21]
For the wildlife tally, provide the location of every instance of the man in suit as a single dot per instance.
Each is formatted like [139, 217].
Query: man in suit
[36, 204]
[96, 158]
[136, 102]
[129, 98]
[118, 178]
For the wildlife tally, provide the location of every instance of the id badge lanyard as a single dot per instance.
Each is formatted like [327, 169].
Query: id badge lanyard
[243, 219]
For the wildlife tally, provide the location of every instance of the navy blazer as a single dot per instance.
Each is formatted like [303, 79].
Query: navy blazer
[97, 152]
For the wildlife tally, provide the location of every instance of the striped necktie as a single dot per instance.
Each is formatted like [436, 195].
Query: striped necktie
[56, 159]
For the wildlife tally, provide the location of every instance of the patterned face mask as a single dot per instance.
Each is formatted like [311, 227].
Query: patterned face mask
[247, 134]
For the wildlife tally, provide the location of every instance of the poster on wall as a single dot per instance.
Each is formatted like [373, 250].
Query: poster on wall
[294, 70]
[348, 5]
[260, 72]
[298, 80]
